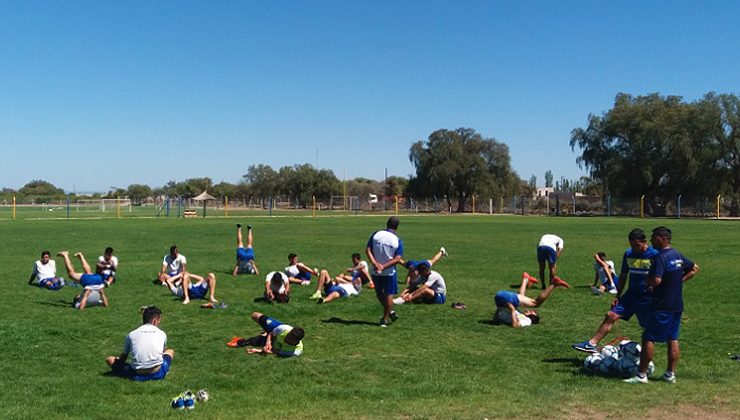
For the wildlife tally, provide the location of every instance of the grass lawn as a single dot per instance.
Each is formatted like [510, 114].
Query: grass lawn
[434, 362]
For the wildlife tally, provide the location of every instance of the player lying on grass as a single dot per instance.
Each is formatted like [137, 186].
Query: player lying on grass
[91, 296]
[45, 269]
[107, 265]
[87, 278]
[298, 272]
[507, 303]
[549, 250]
[336, 289]
[277, 287]
[194, 286]
[359, 270]
[147, 347]
[637, 300]
[245, 263]
[411, 265]
[280, 339]
[605, 277]
[428, 287]
[174, 267]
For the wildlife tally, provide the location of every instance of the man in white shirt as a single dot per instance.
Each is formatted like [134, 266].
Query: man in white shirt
[549, 250]
[429, 287]
[277, 287]
[107, 265]
[385, 250]
[45, 269]
[605, 276]
[147, 347]
[358, 271]
[174, 267]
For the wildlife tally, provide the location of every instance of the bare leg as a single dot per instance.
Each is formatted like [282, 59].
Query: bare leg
[646, 356]
[331, 296]
[249, 237]
[553, 271]
[185, 287]
[211, 279]
[544, 295]
[85, 265]
[674, 353]
[542, 273]
[83, 300]
[68, 265]
[523, 287]
[387, 307]
[104, 297]
[436, 257]
[606, 326]
[239, 243]
[170, 353]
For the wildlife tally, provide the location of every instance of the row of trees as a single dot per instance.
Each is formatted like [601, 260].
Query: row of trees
[662, 146]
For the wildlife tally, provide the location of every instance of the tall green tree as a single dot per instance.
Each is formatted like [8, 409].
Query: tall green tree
[548, 178]
[459, 163]
[724, 111]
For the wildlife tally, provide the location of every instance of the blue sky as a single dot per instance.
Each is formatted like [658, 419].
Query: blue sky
[96, 94]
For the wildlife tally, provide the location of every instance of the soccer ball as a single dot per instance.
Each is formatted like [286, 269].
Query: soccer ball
[591, 363]
[608, 366]
[651, 368]
[628, 367]
[610, 352]
[202, 395]
[630, 350]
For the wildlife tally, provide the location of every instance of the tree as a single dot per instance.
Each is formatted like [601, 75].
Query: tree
[548, 178]
[263, 181]
[533, 182]
[138, 192]
[40, 191]
[395, 185]
[724, 109]
[461, 163]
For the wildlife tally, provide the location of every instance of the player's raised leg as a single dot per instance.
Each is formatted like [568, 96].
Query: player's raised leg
[68, 265]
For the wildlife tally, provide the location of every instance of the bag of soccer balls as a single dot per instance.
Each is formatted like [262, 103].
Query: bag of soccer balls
[622, 360]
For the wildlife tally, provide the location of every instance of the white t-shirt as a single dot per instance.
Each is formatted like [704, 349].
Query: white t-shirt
[385, 246]
[602, 273]
[174, 265]
[113, 262]
[45, 271]
[292, 270]
[145, 346]
[363, 267]
[349, 288]
[504, 314]
[277, 289]
[436, 282]
[552, 241]
[93, 299]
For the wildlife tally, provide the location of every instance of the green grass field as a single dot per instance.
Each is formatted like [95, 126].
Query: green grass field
[434, 362]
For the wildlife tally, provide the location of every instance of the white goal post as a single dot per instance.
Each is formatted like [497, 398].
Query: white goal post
[112, 204]
[344, 202]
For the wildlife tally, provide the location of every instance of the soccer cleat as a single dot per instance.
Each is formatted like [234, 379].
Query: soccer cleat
[234, 342]
[398, 301]
[383, 323]
[249, 227]
[637, 379]
[443, 251]
[596, 290]
[320, 301]
[238, 225]
[530, 279]
[557, 281]
[178, 402]
[670, 379]
[585, 347]
[393, 316]
[189, 400]
[316, 295]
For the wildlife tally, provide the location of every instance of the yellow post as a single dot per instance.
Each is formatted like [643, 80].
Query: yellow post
[314, 205]
[226, 205]
[13, 207]
[395, 197]
[473, 204]
[118, 206]
[642, 205]
[718, 196]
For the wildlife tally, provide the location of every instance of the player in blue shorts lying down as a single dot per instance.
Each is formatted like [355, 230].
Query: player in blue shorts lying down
[87, 278]
[196, 287]
[280, 339]
[245, 263]
[507, 303]
[336, 289]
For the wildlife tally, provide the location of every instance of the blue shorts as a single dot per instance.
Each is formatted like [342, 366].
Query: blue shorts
[91, 280]
[545, 253]
[126, 371]
[662, 326]
[304, 275]
[198, 292]
[628, 305]
[268, 324]
[440, 298]
[244, 254]
[504, 296]
[51, 284]
[385, 285]
[335, 288]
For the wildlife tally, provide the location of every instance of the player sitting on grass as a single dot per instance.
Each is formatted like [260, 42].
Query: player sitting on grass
[507, 303]
[429, 287]
[411, 265]
[277, 287]
[336, 289]
[87, 278]
[605, 278]
[147, 346]
[358, 270]
[245, 263]
[194, 286]
[45, 270]
[298, 272]
[279, 339]
[174, 267]
[107, 265]
[90, 297]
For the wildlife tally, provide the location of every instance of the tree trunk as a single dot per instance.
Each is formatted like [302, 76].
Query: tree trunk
[461, 203]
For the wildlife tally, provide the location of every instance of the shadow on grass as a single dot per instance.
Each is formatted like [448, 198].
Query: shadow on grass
[60, 304]
[567, 361]
[335, 320]
[488, 322]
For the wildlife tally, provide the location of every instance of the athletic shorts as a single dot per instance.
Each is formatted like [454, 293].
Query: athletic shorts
[628, 305]
[244, 254]
[335, 288]
[51, 284]
[91, 280]
[440, 298]
[268, 324]
[304, 275]
[385, 285]
[662, 326]
[504, 296]
[545, 253]
[198, 292]
[125, 370]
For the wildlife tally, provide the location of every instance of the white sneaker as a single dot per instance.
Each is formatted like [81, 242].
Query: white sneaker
[670, 379]
[398, 301]
[305, 283]
[443, 251]
[613, 291]
[636, 380]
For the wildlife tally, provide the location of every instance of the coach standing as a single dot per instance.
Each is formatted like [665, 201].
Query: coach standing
[385, 249]
[668, 271]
